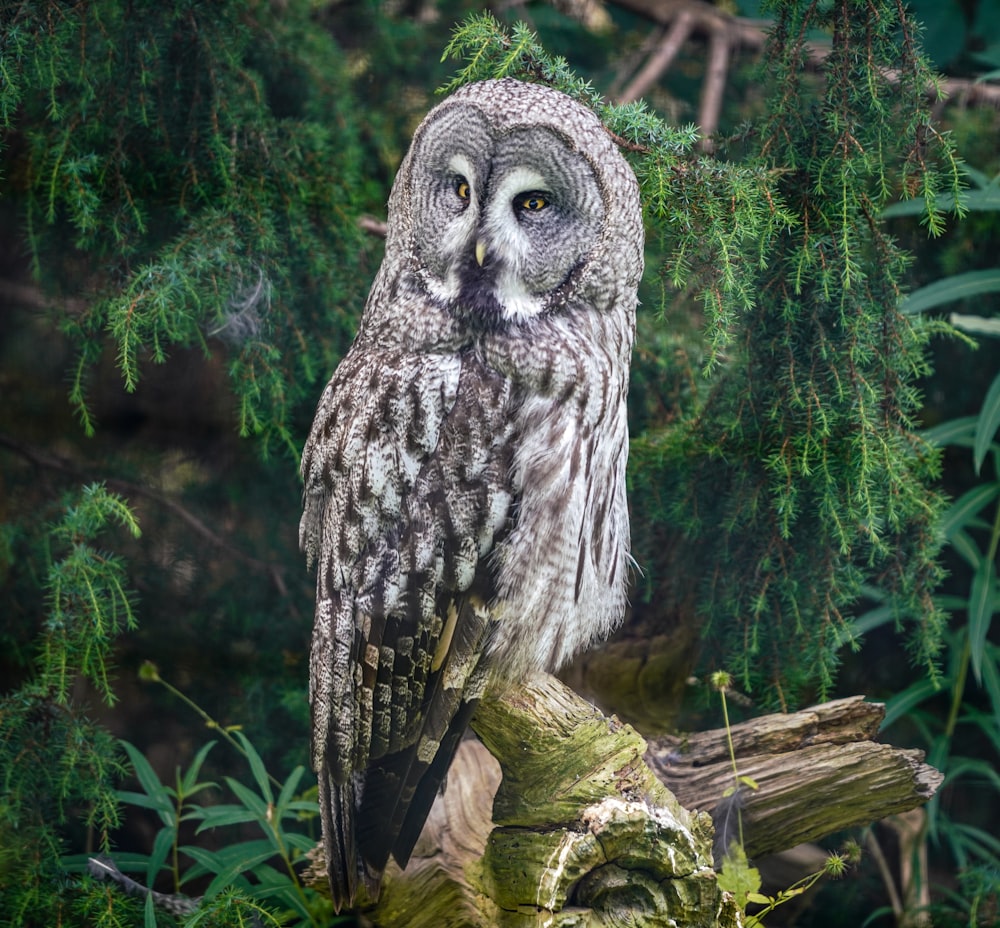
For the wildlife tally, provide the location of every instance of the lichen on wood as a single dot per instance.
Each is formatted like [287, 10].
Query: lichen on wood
[583, 831]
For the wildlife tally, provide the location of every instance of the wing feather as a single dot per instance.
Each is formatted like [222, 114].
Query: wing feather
[407, 487]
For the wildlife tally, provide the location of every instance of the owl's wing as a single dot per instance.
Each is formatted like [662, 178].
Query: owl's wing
[407, 484]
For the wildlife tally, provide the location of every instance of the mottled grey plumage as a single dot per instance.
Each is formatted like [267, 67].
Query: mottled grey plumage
[465, 473]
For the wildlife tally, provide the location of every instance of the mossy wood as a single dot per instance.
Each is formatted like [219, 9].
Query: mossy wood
[584, 832]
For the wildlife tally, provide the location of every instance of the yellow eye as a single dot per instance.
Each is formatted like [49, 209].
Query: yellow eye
[462, 188]
[532, 201]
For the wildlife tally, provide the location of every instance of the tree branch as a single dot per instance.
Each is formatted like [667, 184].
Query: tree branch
[704, 19]
[818, 771]
[663, 55]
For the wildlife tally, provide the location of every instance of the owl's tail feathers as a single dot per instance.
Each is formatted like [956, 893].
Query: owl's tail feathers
[414, 814]
[344, 865]
[399, 789]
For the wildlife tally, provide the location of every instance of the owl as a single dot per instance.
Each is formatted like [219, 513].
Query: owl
[464, 478]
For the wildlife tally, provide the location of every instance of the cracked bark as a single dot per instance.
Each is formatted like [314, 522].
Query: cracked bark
[584, 832]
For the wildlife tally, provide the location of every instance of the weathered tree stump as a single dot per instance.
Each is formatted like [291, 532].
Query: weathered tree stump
[582, 831]
[586, 834]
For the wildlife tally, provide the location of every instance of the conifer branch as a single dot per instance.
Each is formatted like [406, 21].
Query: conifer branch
[53, 462]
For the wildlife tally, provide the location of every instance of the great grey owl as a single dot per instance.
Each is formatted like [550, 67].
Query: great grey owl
[465, 474]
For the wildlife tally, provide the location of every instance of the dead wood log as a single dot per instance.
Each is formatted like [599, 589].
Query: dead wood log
[818, 771]
[584, 833]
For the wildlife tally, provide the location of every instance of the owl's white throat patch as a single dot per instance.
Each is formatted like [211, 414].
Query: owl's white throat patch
[517, 303]
[487, 297]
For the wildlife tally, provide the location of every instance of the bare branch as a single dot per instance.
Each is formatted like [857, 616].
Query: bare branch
[661, 58]
[703, 19]
[714, 86]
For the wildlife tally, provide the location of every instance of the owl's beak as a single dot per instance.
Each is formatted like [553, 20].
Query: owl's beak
[480, 252]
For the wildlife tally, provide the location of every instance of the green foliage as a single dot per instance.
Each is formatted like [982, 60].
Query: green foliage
[187, 176]
[834, 866]
[202, 157]
[243, 869]
[957, 721]
[60, 770]
[736, 875]
[796, 474]
[979, 896]
[959, 34]
[58, 767]
[966, 647]
[89, 602]
[799, 476]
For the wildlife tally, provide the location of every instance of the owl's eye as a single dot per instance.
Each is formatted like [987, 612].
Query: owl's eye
[462, 189]
[531, 202]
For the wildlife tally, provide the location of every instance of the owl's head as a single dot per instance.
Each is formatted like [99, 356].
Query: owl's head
[512, 200]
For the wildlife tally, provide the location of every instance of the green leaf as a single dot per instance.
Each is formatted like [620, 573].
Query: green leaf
[737, 876]
[163, 843]
[245, 853]
[991, 683]
[309, 806]
[289, 787]
[982, 600]
[142, 800]
[868, 621]
[972, 768]
[964, 545]
[221, 815]
[987, 424]
[956, 287]
[149, 913]
[189, 784]
[250, 799]
[985, 200]
[257, 767]
[161, 796]
[953, 432]
[298, 841]
[900, 704]
[276, 885]
[968, 505]
[232, 861]
[945, 27]
[242, 863]
[977, 836]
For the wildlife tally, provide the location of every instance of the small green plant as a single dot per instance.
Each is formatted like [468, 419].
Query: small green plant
[262, 871]
[736, 874]
[834, 866]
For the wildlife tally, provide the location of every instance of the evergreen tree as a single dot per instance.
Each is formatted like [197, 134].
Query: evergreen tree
[800, 475]
[794, 473]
